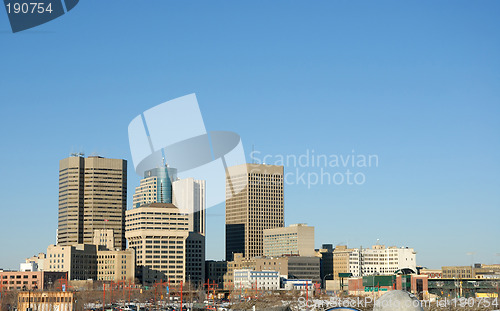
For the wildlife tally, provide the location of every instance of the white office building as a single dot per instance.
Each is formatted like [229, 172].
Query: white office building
[250, 279]
[188, 195]
[380, 260]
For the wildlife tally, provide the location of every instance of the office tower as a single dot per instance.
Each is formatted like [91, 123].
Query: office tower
[254, 202]
[155, 187]
[158, 233]
[189, 197]
[296, 239]
[92, 196]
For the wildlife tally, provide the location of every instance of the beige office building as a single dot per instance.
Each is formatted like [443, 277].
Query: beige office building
[458, 272]
[254, 202]
[46, 301]
[92, 196]
[239, 262]
[188, 195]
[341, 255]
[88, 261]
[158, 233]
[296, 239]
[116, 265]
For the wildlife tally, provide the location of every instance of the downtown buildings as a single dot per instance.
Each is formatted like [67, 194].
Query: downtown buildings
[166, 241]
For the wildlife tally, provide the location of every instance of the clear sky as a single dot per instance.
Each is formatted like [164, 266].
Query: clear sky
[416, 83]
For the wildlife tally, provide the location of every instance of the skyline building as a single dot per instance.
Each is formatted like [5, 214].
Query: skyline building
[189, 195]
[160, 235]
[92, 197]
[259, 205]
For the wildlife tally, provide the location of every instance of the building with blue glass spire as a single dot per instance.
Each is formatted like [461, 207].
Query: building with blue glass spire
[155, 187]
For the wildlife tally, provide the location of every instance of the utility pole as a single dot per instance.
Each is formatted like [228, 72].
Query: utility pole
[181, 297]
[103, 295]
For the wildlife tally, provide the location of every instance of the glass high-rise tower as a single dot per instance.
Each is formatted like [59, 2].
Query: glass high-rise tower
[155, 187]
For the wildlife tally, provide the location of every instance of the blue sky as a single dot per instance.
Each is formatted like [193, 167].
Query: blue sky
[414, 82]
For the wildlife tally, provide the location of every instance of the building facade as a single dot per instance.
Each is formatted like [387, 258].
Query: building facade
[296, 239]
[239, 262]
[341, 255]
[254, 202]
[378, 260]
[79, 261]
[189, 196]
[259, 280]
[46, 301]
[158, 233]
[92, 196]
[291, 267]
[116, 265]
[89, 261]
[38, 261]
[30, 280]
[325, 254]
[195, 258]
[458, 272]
[214, 272]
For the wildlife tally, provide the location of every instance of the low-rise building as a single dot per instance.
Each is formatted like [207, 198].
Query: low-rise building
[30, 280]
[298, 284]
[296, 239]
[292, 267]
[87, 261]
[116, 265]
[260, 280]
[46, 301]
[239, 262]
[214, 272]
[325, 254]
[458, 272]
[373, 261]
[38, 261]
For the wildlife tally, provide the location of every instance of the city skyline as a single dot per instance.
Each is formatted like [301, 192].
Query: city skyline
[414, 84]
